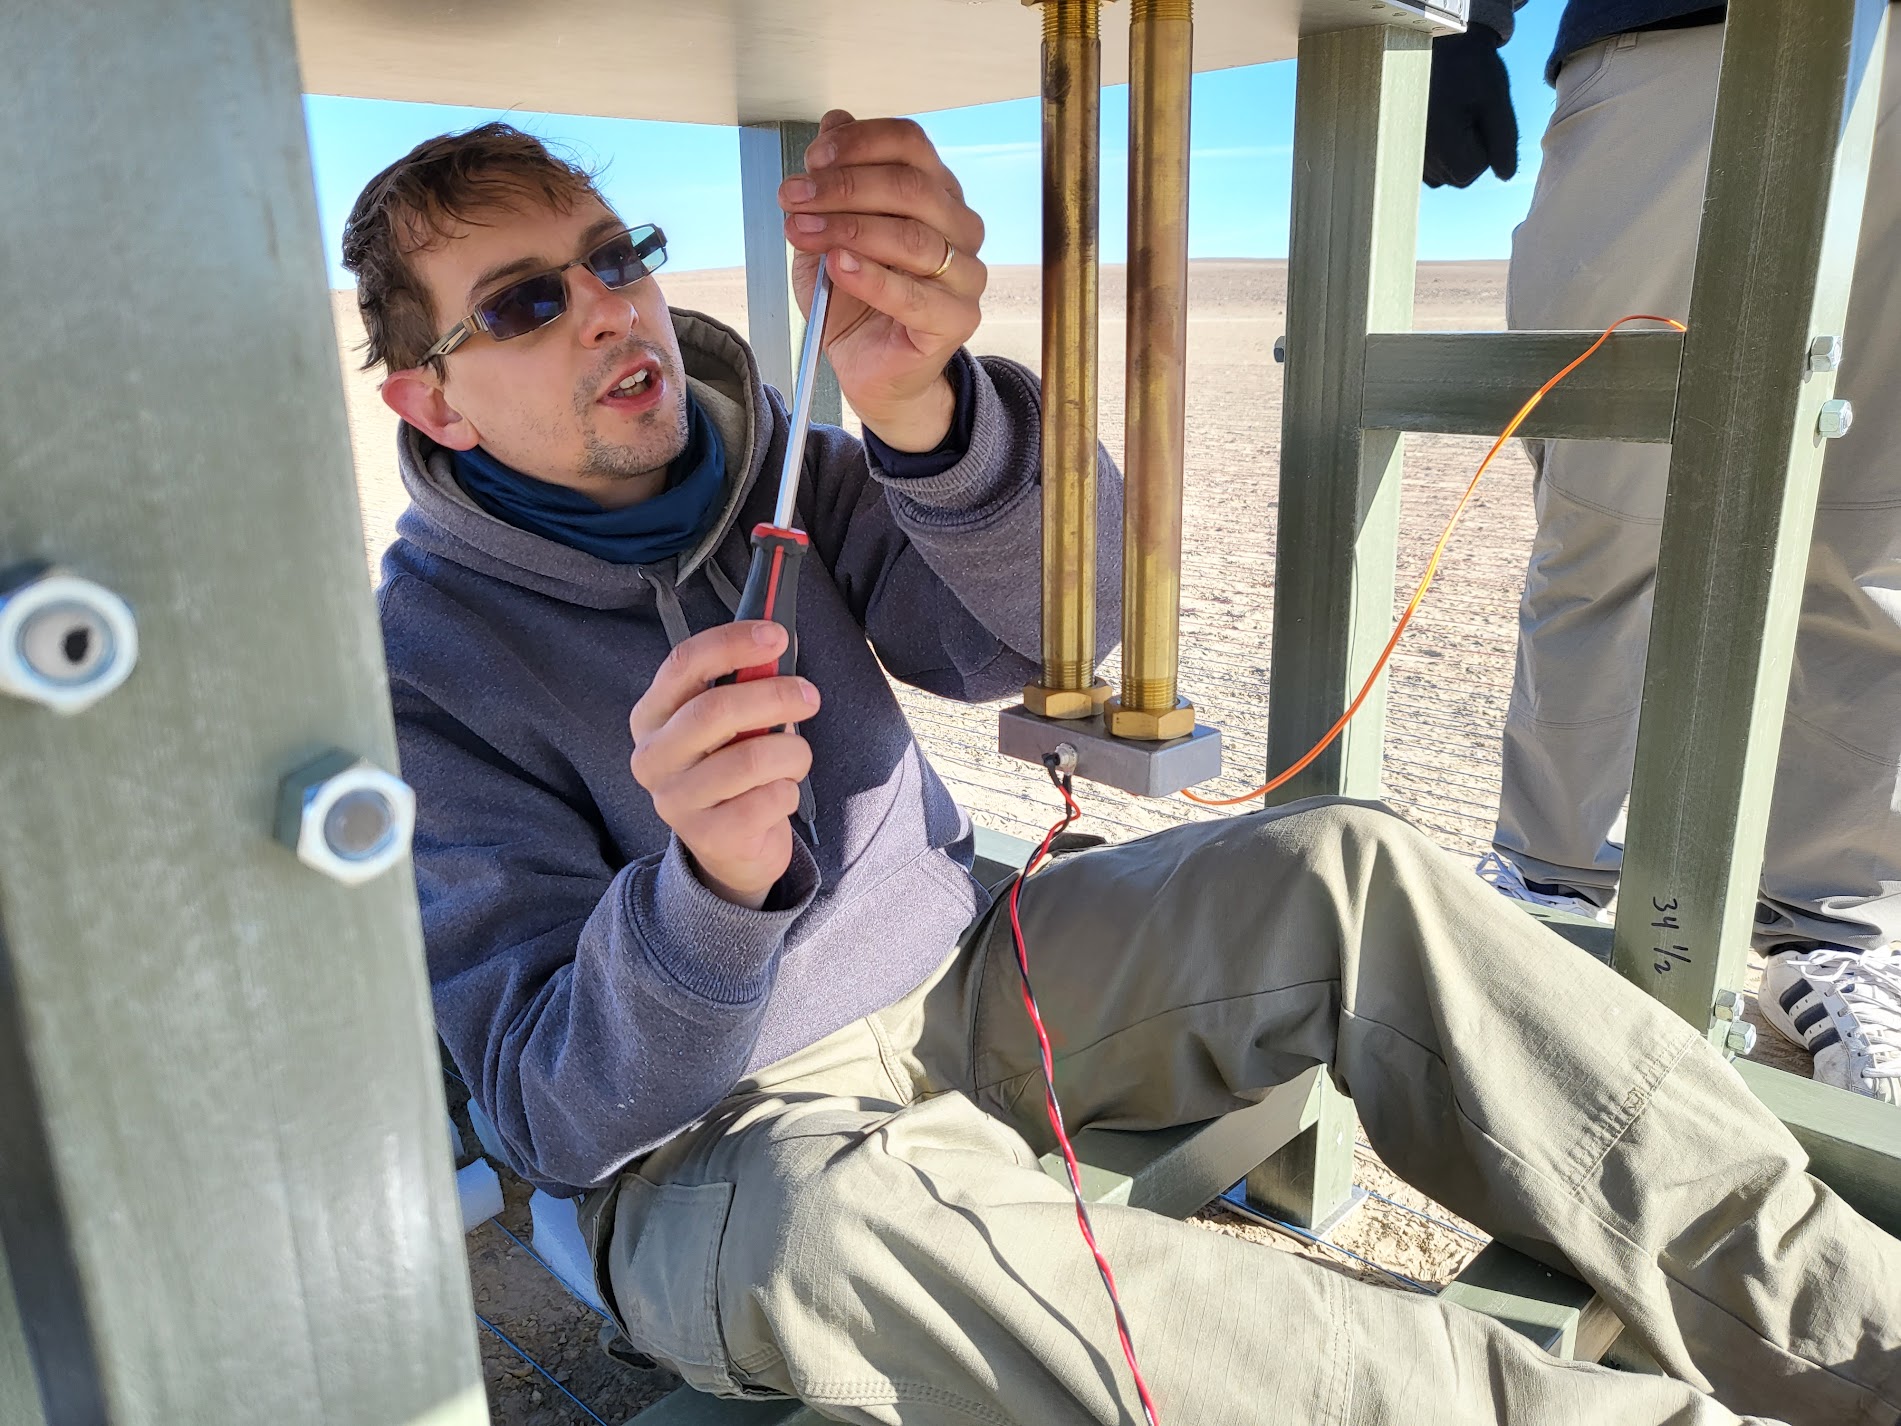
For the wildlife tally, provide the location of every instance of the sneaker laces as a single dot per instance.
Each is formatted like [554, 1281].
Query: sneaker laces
[1504, 877]
[1862, 990]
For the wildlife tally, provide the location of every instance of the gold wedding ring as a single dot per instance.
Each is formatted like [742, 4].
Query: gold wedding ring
[950, 256]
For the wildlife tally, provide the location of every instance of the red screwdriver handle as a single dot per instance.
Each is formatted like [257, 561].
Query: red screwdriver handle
[772, 593]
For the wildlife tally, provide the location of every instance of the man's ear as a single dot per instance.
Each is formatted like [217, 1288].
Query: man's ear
[415, 394]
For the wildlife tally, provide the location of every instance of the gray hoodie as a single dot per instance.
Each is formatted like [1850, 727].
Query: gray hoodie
[596, 997]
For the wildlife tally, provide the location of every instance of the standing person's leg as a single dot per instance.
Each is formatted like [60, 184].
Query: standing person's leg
[1612, 230]
[1833, 869]
[1493, 1065]
[850, 1229]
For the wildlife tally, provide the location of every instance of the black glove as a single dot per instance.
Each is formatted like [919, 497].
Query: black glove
[1470, 126]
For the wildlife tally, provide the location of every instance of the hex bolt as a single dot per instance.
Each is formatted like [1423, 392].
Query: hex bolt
[346, 817]
[1280, 348]
[1834, 419]
[1825, 354]
[1741, 1038]
[65, 642]
[1729, 1005]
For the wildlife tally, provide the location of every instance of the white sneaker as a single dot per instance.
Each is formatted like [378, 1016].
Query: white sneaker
[1844, 1007]
[1506, 879]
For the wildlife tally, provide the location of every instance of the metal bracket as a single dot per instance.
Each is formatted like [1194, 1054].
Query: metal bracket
[1144, 768]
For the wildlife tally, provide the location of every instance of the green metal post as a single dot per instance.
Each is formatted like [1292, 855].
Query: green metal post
[1782, 211]
[768, 155]
[225, 1193]
[1359, 125]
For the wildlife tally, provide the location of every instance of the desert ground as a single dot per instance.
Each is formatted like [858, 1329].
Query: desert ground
[1449, 683]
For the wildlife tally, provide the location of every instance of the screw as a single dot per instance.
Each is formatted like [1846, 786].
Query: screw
[1835, 419]
[1825, 354]
[1729, 1005]
[1741, 1038]
[346, 817]
[65, 642]
[1280, 348]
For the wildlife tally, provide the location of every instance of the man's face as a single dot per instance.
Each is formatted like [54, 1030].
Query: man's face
[552, 403]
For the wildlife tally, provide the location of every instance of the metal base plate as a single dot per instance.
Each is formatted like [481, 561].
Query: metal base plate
[1145, 769]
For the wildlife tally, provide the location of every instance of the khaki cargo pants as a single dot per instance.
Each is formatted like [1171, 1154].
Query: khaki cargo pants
[865, 1225]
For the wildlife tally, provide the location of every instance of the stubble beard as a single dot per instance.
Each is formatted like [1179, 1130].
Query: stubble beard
[654, 449]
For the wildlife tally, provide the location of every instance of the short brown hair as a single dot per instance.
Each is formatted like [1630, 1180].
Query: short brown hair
[415, 203]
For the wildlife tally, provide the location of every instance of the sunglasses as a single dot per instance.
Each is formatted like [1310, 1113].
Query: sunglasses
[533, 302]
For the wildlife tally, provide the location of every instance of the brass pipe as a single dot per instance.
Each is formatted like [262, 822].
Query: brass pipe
[1072, 124]
[1161, 70]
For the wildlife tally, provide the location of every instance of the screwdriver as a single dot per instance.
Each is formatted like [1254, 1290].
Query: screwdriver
[772, 580]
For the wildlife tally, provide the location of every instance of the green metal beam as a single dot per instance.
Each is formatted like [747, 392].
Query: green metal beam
[1853, 1143]
[224, 1058]
[1359, 121]
[1788, 168]
[1359, 126]
[1553, 1309]
[1473, 383]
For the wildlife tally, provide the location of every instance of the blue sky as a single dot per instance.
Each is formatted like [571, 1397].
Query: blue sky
[686, 176]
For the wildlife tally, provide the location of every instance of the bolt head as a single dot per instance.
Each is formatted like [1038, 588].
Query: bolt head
[1280, 349]
[1729, 1005]
[346, 817]
[65, 642]
[1825, 354]
[1835, 419]
[1741, 1039]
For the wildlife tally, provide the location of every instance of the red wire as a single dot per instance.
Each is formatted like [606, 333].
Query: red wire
[1055, 1110]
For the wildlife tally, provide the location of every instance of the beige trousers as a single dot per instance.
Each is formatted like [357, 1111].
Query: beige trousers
[865, 1225]
[1612, 230]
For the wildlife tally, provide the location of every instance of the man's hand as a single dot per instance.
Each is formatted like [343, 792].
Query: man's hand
[1470, 126]
[727, 802]
[879, 203]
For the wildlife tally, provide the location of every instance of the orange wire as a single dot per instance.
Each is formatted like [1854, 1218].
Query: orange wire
[1432, 566]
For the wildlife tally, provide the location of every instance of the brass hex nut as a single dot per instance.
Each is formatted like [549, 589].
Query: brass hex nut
[346, 817]
[1066, 703]
[1177, 722]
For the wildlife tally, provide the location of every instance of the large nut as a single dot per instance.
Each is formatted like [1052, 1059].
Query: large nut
[1741, 1038]
[1834, 420]
[65, 642]
[1177, 722]
[1825, 354]
[346, 817]
[1066, 703]
[1729, 1005]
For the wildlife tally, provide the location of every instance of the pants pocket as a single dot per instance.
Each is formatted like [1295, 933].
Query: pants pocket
[663, 1266]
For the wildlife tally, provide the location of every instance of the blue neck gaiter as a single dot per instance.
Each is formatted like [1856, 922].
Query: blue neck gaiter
[671, 523]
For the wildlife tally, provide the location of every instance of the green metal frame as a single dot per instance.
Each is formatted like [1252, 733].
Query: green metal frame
[1793, 132]
[222, 1140]
[1553, 1309]
[1359, 135]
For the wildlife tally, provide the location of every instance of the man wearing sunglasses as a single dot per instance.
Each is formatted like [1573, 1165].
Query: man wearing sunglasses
[776, 1040]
